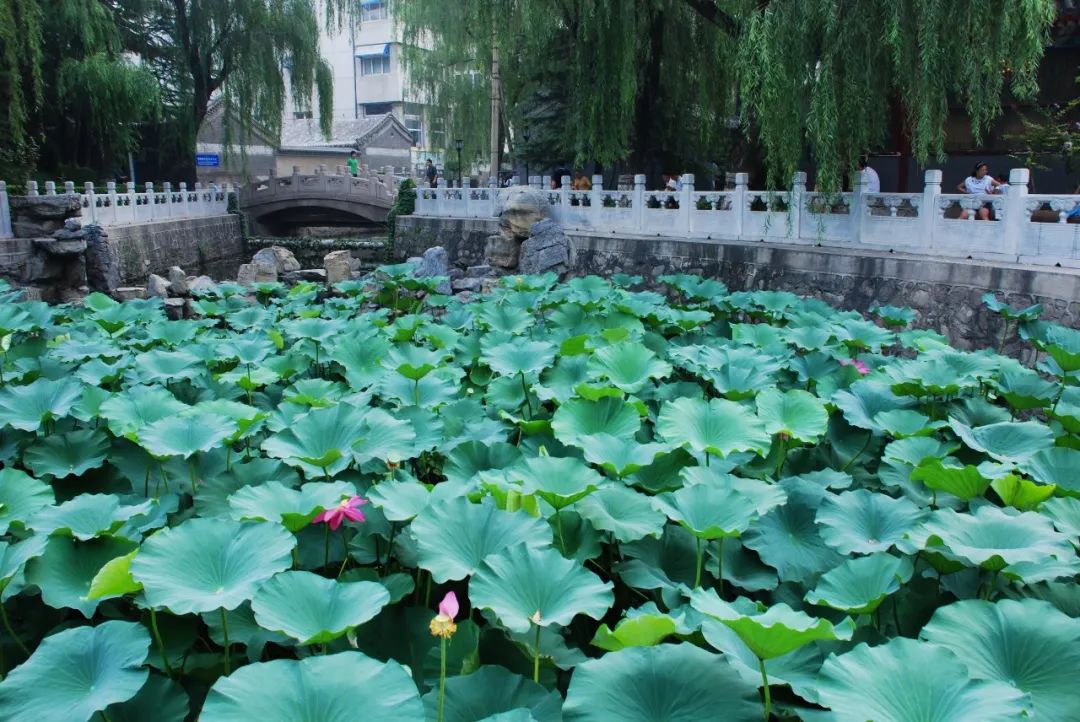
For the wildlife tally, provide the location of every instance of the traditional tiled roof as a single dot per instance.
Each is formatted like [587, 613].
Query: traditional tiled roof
[297, 134]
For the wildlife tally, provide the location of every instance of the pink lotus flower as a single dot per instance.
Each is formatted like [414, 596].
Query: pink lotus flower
[347, 509]
[443, 624]
[862, 368]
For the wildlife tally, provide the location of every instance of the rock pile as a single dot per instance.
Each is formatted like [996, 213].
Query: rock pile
[528, 241]
[177, 290]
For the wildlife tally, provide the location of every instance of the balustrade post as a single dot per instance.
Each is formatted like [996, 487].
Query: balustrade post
[167, 190]
[442, 205]
[798, 197]
[858, 209]
[686, 198]
[5, 212]
[1016, 217]
[596, 201]
[565, 190]
[639, 202]
[929, 210]
[185, 206]
[32, 188]
[110, 191]
[151, 201]
[295, 179]
[738, 203]
[88, 201]
[133, 202]
[69, 187]
[50, 188]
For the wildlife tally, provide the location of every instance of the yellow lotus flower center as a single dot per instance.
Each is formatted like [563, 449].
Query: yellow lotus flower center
[442, 626]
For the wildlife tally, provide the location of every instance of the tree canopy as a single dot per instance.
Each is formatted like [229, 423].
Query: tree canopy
[662, 81]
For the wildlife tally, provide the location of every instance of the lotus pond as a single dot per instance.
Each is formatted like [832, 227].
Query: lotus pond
[574, 501]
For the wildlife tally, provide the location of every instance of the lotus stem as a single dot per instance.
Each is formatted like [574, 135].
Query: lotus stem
[858, 453]
[783, 457]
[558, 525]
[525, 388]
[416, 392]
[104, 717]
[7, 626]
[225, 634]
[536, 656]
[720, 565]
[191, 472]
[442, 676]
[296, 557]
[390, 545]
[345, 553]
[1004, 335]
[326, 545]
[697, 565]
[160, 644]
[765, 689]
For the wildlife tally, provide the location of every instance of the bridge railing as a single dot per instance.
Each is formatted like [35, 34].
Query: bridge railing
[1022, 227]
[365, 188]
[127, 206]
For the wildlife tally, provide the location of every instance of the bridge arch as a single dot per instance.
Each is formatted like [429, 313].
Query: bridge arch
[276, 204]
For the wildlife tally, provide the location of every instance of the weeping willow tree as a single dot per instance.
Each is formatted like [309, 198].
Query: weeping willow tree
[21, 85]
[652, 80]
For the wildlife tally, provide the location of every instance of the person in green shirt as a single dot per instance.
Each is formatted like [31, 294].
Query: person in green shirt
[353, 164]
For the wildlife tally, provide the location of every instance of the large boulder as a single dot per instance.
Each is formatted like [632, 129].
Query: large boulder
[282, 259]
[56, 207]
[178, 285]
[519, 208]
[201, 285]
[157, 286]
[501, 251]
[102, 261]
[546, 249]
[338, 265]
[435, 263]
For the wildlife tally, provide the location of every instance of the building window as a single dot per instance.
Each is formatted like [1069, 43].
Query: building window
[374, 64]
[377, 108]
[415, 125]
[372, 10]
[302, 115]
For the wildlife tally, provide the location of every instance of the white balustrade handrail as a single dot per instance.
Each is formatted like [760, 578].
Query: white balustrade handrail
[1023, 227]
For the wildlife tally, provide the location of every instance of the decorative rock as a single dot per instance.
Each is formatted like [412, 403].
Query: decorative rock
[174, 308]
[414, 260]
[41, 207]
[338, 265]
[202, 286]
[264, 272]
[547, 249]
[178, 285]
[481, 271]
[245, 274]
[102, 260]
[35, 229]
[128, 293]
[157, 286]
[72, 231]
[435, 263]
[282, 259]
[467, 284]
[519, 208]
[56, 247]
[487, 285]
[455, 273]
[305, 274]
[501, 251]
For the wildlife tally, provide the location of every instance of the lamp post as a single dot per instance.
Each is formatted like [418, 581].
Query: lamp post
[461, 171]
[525, 137]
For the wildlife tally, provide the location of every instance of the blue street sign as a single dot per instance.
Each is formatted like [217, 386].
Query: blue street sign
[204, 160]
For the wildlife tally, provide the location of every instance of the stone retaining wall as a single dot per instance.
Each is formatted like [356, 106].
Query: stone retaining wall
[206, 246]
[945, 293]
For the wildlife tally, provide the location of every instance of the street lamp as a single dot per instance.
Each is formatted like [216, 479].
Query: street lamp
[461, 171]
[525, 137]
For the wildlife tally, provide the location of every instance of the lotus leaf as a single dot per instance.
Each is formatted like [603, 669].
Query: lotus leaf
[863, 522]
[993, 539]
[793, 414]
[313, 609]
[21, 497]
[860, 585]
[717, 427]
[492, 692]
[40, 401]
[626, 514]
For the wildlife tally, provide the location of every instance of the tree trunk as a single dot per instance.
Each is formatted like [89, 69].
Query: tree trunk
[496, 99]
[645, 157]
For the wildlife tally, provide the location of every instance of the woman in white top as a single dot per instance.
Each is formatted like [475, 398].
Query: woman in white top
[980, 182]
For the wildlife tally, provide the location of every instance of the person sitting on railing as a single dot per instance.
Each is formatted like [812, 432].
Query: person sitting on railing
[979, 183]
[581, 181]
[353, 164]
[871, 180]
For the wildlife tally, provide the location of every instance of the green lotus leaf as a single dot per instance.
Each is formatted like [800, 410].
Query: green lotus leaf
[315, 392]
[1009, 441]
[1056, 465]
[695, 287]
[619, 456]
[902, 423]
[88, 516]
[454, 535]
[894, 316]
[161, 365]
[315, 610]
[908, 681]
[519, 357]
[492, 692]
[399, 500]
[1008, 312]
[628, 366]
[739, 372]
[471, 457]
[624, 512]
[789, 540]
[917, 450]
[1067, 409]
[28, 407]
[160, 699]
[717, 426]
[186, 435]
[13, 560]
[578, 418]
[66, 570]
[362, 359]
[860, 585]
[1025, 389]
[724, 507]
[964, 482]
[320, 442]
[864, 400]
[1020, 493]
[21, 497]
[863, 334]
[1065, 513]
[70, 454]
[1063, 345]
[1027, 644]
[130, 411]
[524, 585]
[559, 381]
[114, 579]
[202, 565]
[644, 631]
[319, 330]
[76, 673]
[794, 414]
[293, 508]
[384, 438]
[677, 683]
[560, 481]
[994, 539]
[505, 318]
[439, 387]
[413, 362]
[329, 687]
[864, 522]
[768, 631]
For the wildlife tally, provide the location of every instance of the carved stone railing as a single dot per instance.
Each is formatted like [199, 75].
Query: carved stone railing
[370, 188]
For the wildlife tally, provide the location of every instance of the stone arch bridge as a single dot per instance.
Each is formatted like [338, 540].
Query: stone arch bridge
[279, 204]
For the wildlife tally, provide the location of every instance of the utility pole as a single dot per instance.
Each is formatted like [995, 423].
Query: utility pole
[496, 98]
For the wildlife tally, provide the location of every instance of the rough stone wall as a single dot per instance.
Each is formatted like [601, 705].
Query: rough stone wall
[209, 246]
[945, 293]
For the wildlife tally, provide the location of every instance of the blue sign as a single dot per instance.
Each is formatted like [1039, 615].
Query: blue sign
[207, 160]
